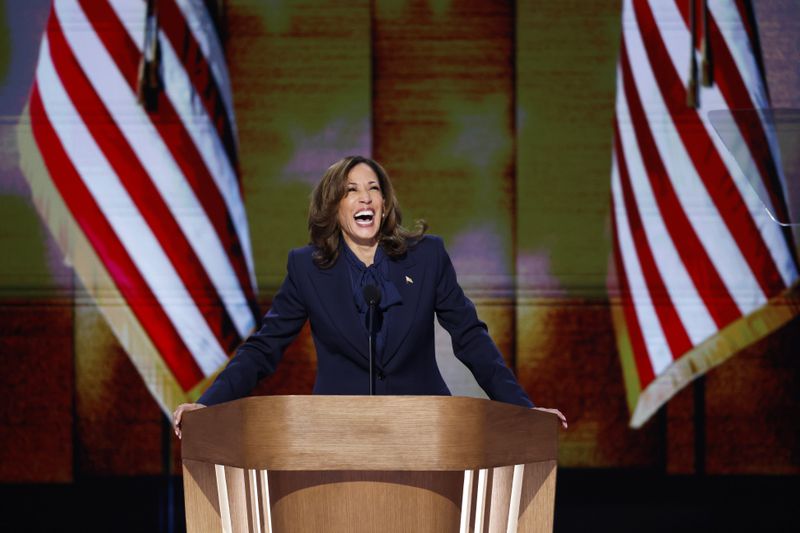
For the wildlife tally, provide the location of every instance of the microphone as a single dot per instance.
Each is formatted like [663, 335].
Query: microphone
[372, 295]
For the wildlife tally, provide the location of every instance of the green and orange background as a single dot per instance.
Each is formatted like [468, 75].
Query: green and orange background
[494, 120]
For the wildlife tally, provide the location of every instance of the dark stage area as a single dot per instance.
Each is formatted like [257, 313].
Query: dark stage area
[586, 500]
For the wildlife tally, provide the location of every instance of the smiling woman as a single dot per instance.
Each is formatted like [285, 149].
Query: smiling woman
[352, 189]
[358, 243]
[361, 211]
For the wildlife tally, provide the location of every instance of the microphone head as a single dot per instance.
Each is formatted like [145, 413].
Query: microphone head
[372, 294]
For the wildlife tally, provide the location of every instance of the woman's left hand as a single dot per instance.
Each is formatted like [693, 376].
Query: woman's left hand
[556, 412]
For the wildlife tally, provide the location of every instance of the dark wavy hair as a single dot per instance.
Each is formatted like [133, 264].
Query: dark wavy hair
[323, 214]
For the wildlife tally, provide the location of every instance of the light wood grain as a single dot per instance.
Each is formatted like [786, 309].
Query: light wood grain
[254, 508]
[368, 433]
[538, 498]
[339, 463]
[497, 517]
[480, 499]
[237, 499]
[466, 500]
[264, 500]
[200, 496]
[365, 501]
[515, 497]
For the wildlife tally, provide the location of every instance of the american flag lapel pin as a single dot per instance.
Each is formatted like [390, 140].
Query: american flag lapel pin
[409, 281]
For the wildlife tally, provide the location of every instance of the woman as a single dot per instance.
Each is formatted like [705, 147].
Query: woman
[357, 240]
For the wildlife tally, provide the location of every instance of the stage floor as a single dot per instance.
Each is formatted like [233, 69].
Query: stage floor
[586, 500]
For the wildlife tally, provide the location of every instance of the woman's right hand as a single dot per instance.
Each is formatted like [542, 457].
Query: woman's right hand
[178, 414]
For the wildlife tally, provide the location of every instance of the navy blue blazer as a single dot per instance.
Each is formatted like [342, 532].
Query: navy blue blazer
[427, 283]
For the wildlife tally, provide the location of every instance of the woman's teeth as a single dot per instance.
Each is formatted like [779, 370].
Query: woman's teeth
[364, 217]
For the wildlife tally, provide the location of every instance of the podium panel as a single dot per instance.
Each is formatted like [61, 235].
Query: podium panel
[341, 463]
[365, 501]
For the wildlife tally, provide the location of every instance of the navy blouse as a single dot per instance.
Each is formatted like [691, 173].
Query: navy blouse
[376, 274]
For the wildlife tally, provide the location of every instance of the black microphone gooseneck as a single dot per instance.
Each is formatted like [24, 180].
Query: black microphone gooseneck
[372, 295]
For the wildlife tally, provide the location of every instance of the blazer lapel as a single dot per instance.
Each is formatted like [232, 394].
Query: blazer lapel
[407, 276]
[336, 299]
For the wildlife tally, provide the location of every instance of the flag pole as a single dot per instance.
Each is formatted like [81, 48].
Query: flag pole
[699, 393]
[167, 513]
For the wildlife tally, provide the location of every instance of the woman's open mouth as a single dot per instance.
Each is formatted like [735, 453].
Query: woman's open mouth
[365, 217]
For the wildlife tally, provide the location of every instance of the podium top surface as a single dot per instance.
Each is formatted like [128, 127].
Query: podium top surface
[368, 433]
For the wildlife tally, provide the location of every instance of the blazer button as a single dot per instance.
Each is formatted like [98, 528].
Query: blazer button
[381, 375]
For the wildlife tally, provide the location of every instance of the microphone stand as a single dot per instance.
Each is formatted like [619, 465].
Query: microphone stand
[372, 295]
[371, 355]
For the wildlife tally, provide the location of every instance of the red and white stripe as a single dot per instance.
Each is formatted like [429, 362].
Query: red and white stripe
[694, 247]
[156, 194]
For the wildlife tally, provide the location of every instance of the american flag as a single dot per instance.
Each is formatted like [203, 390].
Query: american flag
[701, 270]
[129, 145]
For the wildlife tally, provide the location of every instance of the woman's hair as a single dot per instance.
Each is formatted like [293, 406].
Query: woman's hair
[323, 214]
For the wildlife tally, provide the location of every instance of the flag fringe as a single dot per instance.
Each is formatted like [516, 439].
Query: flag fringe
[95, 278]
[630, 373]
[715, 350]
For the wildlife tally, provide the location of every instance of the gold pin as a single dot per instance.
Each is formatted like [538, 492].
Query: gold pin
[409, 281]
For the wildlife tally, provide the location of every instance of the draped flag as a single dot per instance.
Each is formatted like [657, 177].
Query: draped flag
[701, 270]
[129, 145]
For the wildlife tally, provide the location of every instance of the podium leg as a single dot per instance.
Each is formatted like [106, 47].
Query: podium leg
[200, 497]
[500, 499]
[538, 498]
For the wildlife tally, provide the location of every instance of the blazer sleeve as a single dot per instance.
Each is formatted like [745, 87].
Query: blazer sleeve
[472, 344]
[259, 355]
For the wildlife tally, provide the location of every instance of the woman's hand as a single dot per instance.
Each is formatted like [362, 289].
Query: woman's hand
[178, 414]
[556, 412]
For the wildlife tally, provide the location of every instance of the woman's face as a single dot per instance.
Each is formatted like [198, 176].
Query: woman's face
[361, 209]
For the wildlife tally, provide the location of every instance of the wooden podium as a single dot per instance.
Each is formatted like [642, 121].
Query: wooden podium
[372, 464]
